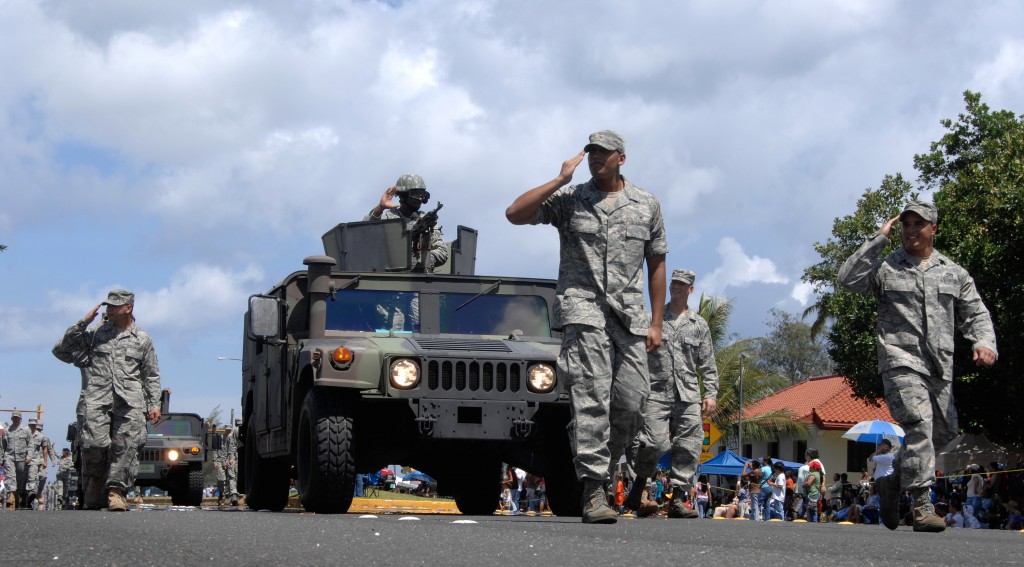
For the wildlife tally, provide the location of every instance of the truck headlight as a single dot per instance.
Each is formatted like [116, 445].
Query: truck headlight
[405, 374]
[541, 378]
[173, 455]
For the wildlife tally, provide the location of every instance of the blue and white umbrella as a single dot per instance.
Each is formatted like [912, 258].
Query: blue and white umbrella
[874, 431]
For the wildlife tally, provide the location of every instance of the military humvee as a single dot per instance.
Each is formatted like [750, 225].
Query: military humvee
[172, 458]
[359, 361]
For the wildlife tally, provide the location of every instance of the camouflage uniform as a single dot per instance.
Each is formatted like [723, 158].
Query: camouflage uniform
[672, 418]
[600, 308]
[7, 462]
[19, 449]
[37, 471]
[918, 308]
[64, 468]
[119, 385]
[226, 460]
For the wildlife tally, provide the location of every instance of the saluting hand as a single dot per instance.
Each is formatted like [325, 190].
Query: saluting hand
[386, 200]
[91, 315]
[569, 167]
[887, 227]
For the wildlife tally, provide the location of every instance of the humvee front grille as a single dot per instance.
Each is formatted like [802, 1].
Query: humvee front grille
[474, 376]
[151, 455]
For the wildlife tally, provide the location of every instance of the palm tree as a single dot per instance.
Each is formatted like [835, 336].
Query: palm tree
[757, 383]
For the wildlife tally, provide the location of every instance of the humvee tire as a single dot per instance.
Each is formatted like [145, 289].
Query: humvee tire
[194, 494]
[325, 459]
[564, 489]
[266, 479]
[477, 494]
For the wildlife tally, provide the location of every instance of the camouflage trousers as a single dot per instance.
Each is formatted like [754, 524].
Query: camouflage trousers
[111, 440]
[669, 425]
[606, 370]
[10, 478]
[923, 406]
[36, 478]
[226, 478]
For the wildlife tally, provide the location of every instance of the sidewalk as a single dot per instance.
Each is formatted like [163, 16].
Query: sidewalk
[386, 505]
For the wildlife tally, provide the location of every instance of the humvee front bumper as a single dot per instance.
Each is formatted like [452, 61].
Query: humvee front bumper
[474, 419]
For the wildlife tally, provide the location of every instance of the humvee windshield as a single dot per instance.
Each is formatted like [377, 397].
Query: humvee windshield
[472, 314]
[460, 313]
[176, 426]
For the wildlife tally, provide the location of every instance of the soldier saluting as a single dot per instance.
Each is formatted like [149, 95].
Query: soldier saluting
[120, 391]
[412, 194]
[922, 295]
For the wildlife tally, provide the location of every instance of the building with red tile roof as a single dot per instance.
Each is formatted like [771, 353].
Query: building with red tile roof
[827, 405]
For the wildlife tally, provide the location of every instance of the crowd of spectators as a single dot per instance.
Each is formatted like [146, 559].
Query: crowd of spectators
[977, 497]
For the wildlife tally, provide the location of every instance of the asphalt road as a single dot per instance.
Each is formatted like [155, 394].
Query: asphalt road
[164, 537]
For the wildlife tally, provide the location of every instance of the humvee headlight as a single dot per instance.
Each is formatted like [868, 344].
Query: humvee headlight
[173, 455]
[541, 378]
[405, 374]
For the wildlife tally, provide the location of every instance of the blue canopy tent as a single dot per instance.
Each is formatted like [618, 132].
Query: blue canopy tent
[725, 463]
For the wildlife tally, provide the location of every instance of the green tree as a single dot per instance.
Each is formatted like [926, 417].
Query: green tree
[851, 337]
[758, 382]
[977, 170]
[791, 349]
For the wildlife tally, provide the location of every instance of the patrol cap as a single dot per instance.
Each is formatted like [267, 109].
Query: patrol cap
[410, 181]
[15, 414]
[926, 210]
[120, 297]
[39, 425]
[33, 421]
[683, 276]
[608, 140]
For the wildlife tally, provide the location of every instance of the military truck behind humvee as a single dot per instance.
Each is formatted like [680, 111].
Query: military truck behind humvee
[172, 458]
[358, 362]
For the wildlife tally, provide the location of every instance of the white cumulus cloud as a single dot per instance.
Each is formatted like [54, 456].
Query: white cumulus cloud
[737, 269]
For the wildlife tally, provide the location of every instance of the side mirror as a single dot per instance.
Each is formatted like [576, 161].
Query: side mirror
[72, 432]
[264, 320]
[216, 442]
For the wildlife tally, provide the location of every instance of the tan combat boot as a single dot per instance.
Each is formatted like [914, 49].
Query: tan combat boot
[94, 494]
[11, 502]
[925, 519]
[678, 509]
[595, 504]
[116, 501]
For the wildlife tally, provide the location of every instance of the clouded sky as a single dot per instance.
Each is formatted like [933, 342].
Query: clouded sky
[195, 152]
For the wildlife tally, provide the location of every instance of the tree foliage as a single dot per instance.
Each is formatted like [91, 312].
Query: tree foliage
[791, 349]
[758, 382]
[976, 170]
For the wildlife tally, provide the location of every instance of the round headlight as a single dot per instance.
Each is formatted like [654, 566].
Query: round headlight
[172, 455]
[404, 374]
[541, 378]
